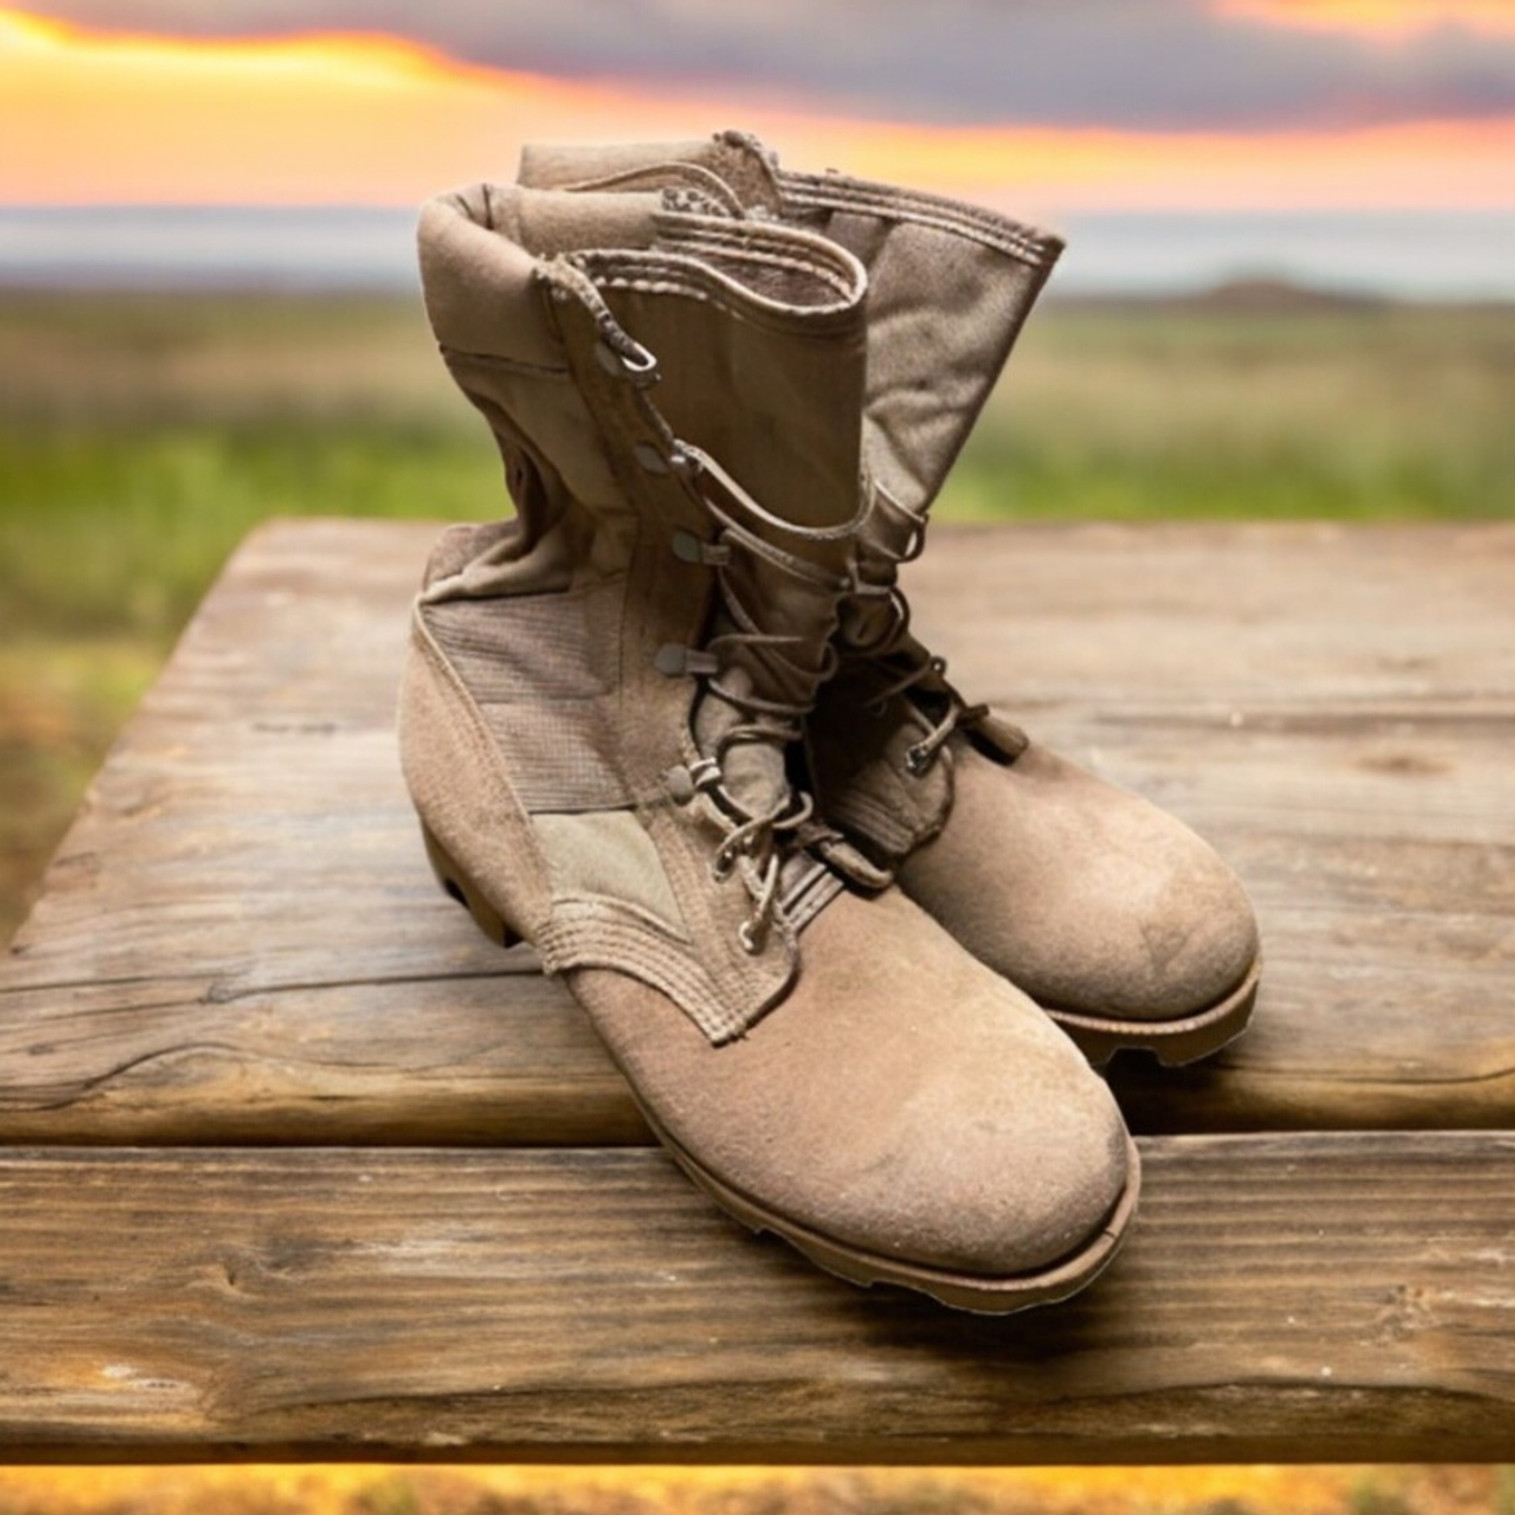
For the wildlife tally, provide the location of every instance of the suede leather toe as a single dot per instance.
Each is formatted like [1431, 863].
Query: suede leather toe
[994, 1152]
[1091, 897]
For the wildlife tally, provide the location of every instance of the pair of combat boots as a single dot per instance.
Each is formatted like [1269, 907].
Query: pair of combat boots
[853, 941]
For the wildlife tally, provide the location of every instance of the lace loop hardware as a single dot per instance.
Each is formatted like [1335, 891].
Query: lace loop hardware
[674, 661]
[649, 458]
[688, 548]
[628, 359]
[685, 780]
[918, 759]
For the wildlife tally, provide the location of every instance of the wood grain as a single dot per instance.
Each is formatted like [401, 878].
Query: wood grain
[239, 940]
[590, 1304]
[394, 1202]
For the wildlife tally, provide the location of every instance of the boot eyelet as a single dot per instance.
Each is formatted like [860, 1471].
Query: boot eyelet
[720, 867]
[917, 761]
[634, 362]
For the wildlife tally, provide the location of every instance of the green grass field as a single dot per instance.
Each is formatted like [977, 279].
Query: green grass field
[141, 436]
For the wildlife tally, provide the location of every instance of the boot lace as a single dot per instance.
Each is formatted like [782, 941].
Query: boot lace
[893, 645]
[755, 843]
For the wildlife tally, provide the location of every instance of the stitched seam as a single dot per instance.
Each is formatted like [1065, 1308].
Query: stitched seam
[816, 893]
[770, 320]
[636, 914]
[1035, 255]
[498, 360]
[816, 252]
[840, 192]
[579, 937]
[750, 254]
[775, 251]
[664, 274]
[944, 215]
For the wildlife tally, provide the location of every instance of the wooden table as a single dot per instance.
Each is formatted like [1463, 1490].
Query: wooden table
[294, 1164]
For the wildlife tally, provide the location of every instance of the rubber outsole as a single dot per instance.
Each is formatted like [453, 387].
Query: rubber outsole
[978, 1293]
[1175, 1043]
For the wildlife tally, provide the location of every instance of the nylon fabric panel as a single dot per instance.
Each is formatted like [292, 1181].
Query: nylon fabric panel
[943, 311]
[543, 671]
[526, 647]
[606, 854]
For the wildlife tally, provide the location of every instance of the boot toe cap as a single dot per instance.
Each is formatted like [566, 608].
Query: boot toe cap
[907, 1106]
[1090, 898]
[990, 1183]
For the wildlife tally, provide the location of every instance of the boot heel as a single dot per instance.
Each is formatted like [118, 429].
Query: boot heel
[457, 885]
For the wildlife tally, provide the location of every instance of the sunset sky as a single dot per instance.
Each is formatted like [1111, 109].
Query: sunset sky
[1054, 106]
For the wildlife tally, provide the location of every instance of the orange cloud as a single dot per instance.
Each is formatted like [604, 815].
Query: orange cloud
[1388, 19]
[325, 118]
[104, 117]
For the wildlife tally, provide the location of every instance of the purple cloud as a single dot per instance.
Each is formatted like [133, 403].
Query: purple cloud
[1154, 64]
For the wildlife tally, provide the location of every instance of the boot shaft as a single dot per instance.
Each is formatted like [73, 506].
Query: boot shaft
[950, 284]
[640, 643]
[739, 328]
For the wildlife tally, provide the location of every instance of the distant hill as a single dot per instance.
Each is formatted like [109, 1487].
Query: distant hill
[1281, 295]
[1257, 296]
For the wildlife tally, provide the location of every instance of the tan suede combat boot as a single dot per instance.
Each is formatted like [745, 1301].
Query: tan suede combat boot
[1121, 922]
[600, 706]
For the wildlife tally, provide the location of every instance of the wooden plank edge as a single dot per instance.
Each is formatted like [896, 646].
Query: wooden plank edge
[1290, 1298]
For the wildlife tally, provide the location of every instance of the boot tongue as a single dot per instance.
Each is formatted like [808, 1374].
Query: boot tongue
[755, 675]
[772, 398]
[752, 772]
[759, 331]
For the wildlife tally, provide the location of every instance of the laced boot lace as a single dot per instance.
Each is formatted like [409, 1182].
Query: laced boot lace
[884, 639]
[771, 705]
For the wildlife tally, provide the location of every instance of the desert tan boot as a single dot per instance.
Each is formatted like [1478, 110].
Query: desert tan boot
[600, 715]
[1114, 915]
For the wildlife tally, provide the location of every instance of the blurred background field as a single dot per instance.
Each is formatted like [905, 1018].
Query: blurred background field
[372, 1490]
[142, 434]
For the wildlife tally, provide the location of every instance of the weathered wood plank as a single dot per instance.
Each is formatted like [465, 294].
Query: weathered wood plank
[239, 940]
[1290, 1297]
[1312, 615]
